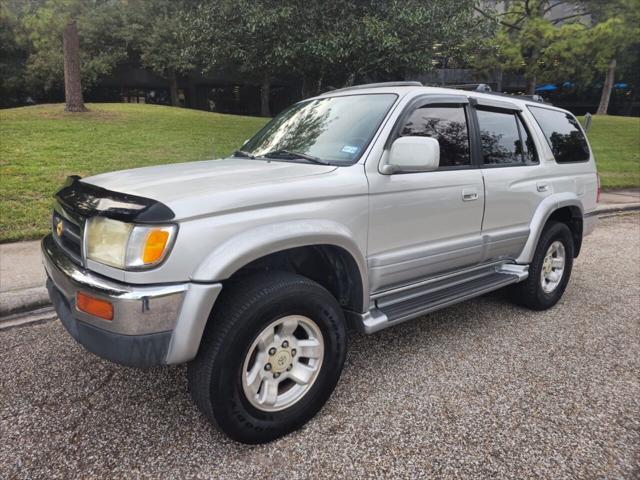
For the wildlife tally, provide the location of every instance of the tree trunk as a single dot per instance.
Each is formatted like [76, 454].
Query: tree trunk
[445, 64]
[629, 109]
[173, 88]
[531, 85]
[72, 79]
[265, 93]
[307, 86]
[311, 86]
[606, 88]
[350, 80]
[499, 75]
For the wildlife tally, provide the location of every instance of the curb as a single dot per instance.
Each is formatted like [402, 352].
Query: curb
[32, 317]
[21, 302]
[620, 207]
[25, 300]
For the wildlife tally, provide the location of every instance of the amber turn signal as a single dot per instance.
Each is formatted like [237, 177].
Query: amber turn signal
[155, 245]
[94, 306]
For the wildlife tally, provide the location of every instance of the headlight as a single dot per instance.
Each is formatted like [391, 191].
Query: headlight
[124, 245]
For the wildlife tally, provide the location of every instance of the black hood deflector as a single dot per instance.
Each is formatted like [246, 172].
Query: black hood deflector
[86, 200]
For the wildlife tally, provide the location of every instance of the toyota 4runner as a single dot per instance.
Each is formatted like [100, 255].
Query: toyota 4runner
[363, 207]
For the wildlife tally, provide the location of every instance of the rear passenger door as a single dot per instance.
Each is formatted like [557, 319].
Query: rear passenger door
[515, 182]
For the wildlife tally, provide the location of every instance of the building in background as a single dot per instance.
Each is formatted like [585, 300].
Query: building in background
[229, 93]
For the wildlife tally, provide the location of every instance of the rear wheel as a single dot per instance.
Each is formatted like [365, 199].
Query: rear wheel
[550, 269]
[270, 357]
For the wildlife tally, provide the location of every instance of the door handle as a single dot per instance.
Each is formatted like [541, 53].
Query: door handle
[542, 187]
[469, 195]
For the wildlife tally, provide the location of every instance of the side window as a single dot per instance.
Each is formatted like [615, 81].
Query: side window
[528, 146]
[563, 134]
[448, 125]
[500, 138]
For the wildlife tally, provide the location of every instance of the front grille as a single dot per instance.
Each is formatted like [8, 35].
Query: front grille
[68, 235]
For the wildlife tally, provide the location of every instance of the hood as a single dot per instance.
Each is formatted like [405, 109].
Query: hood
[200, 187]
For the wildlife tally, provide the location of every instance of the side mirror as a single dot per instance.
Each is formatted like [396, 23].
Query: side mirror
[412, 154]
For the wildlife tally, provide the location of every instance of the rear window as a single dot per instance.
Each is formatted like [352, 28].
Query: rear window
[563, 133]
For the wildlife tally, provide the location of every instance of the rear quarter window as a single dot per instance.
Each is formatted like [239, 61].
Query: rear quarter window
[563, 134]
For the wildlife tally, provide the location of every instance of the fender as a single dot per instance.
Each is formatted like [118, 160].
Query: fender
[540, 217]
[258, 242]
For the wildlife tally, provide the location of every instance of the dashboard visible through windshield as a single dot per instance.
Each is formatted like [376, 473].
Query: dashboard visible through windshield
[332, 130]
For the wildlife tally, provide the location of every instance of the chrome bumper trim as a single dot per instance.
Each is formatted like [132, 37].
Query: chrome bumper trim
[138, 310]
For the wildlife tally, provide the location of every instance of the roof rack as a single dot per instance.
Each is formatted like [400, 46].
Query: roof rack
[378, 85]
[484, 88]
[533, 98]
[475, 87]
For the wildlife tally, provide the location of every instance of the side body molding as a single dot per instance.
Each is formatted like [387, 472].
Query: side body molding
[258, 242]
[543, 212]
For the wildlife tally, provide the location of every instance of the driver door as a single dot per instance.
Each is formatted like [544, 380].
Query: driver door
[427, 223]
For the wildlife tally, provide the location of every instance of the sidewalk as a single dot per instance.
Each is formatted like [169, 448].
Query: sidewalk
[22, 276]
[627, 196]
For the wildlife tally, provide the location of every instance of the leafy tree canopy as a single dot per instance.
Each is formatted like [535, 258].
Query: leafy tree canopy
[157, 31]
[531, 39]
[348, 39]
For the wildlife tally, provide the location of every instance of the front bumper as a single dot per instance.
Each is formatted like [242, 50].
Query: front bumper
[152, 325]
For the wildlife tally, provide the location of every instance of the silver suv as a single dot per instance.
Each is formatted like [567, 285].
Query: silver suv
[363, 207]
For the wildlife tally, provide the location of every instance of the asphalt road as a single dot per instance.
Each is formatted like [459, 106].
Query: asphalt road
[483, 389]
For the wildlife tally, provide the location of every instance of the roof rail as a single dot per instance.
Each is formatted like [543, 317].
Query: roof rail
[484, 88]
[377, 85]
[475, 87]
[533, 98]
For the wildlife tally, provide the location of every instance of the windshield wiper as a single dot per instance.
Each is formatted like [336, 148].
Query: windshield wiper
[242, 153]
[288, 153]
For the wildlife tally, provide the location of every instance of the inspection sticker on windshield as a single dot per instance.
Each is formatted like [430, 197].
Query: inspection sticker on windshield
[350, 149]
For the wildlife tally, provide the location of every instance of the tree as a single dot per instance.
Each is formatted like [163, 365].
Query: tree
[252, 37]
[529, 34]
[586, 41]
[628, 72]
[13, 54]
[371, 40]
[494, 54]
[342, 41]
[157, 30]
[72, 42]
[399, 37]
[616, 30]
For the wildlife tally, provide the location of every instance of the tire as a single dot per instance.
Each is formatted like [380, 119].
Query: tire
[531, 292]
[245, 309]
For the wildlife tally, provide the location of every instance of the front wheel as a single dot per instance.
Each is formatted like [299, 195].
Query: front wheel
[270, 357]
[550, 269]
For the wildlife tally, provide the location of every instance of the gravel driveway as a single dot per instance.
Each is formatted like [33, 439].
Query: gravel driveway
[482, 389]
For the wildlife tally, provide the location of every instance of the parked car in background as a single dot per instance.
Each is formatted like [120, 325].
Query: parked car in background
[364, 207]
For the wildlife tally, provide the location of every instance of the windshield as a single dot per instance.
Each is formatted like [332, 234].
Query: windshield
[332, 130]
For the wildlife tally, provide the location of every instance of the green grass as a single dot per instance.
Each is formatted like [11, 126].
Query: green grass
[616, 144]
[41, 145]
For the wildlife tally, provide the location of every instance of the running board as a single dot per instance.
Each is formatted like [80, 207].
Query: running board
[400, 306]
